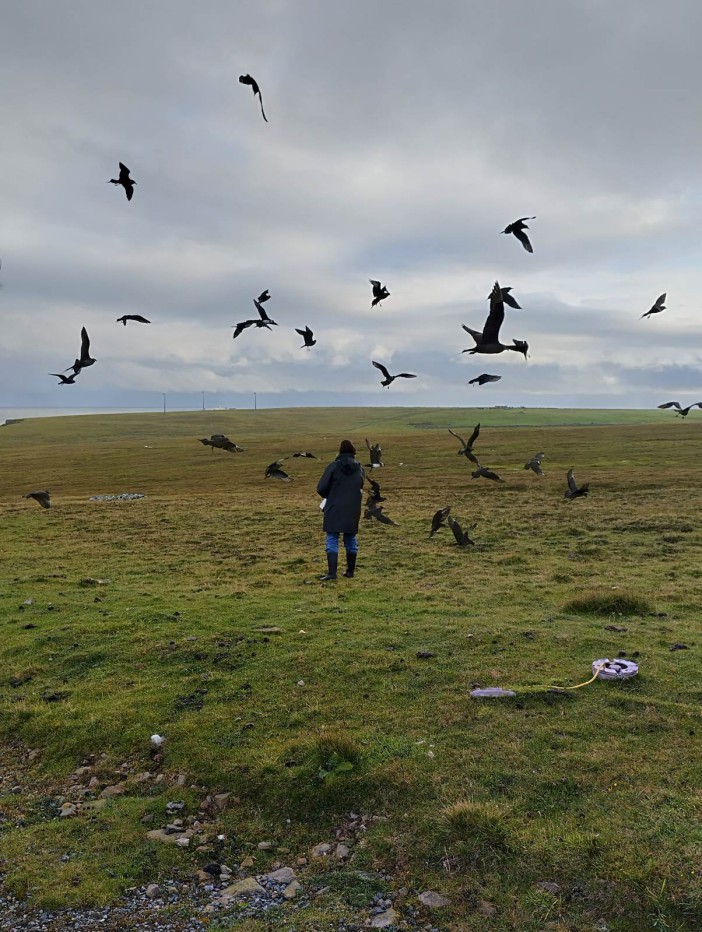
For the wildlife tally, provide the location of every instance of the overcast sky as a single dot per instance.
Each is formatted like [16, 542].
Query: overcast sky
[403, 137]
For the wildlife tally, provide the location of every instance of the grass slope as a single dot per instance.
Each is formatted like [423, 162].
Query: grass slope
[598, 792]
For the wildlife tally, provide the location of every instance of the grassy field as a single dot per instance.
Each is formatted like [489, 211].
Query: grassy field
[209, 626]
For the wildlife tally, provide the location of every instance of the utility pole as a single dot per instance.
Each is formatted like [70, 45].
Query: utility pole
[164, 402]
[255, 401]
[203, 401]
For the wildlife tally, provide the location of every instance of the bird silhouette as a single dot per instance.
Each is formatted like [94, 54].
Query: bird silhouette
[380, 292]
[262, 313]
[517, 229]
[43, 498]
[485, 473]
[484, 379]
[65, 379]
[253, 84]
[467, 447]
[656, 307]
[220, 442]
[439, 519]
[85, 359]
[389, 379]
[137, 318]
[573, 491]
[306, 335]
[304, 453]
[683, 412]
[508, 298]
[264, 296]
[535, 464]
[124, 180]
[462, 538]
[274, 471]
[488, 340]
[376, 511]
[374, 495]
[376, 454]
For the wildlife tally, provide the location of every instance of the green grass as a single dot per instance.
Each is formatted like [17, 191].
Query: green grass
[210, 614]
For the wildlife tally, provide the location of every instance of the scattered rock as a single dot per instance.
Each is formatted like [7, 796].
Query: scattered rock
[549, 886]
[283, 875]
[153, 890]
[342, 852]
[159, 834]
[116, 790]
[433, 900]
[221, 800]
[382, 920]
[264, 845]
[245, 887]
[247, 862]
[321, 850]
[68, 810]
[292, 889]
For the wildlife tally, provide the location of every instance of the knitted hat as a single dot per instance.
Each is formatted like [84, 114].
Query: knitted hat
[347, 447]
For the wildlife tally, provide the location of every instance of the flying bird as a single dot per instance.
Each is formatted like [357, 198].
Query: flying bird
[220, 442]
[124, 180]
[264, 296]
[485, 473]
[467, 447]
[439, 519]
[380, 292]
[573, 491]
[462, 538]
[85, 359]
[306, 335]
[508, 298]
[274, 471]
[135, 317]
[304, 453]
[488, 340]
[374, 495]
[517, 229]
[683, 412]
[253, 84]
[657, 307]
[376, 511]
[42, 497]
[65, 379]
[389, 379]
[484, 379]
[262, 312]
[375, 455]
[535, 464]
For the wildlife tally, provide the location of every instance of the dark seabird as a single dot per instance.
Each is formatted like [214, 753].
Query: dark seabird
[262, 312]
[484, 379]
[253, 84]
[220, 442]
[264, 296]
[573, 491]
[683, 412]
[657, 307]
[488, 340]
[462, 538]
[376, 511]
[42, 497]
[274, 471]
[439, 519]
[380, 292]
[467, 447]
[508, 298]
[535, 464]
[304, 453]
[65, 379]
[485, 473]
[389, 379]
[306, 335]
[374, 494]
[375, 455]
[124, 180]
[517, 229]
[135, 317]
[85, 357]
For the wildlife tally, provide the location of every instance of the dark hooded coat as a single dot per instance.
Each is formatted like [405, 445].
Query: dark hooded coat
[342, 486]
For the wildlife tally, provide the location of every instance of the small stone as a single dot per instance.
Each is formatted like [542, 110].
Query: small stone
[301, 862]
[282, 875]
[93, 783]
[341, 852]
[183, 841]
[321, 850]
[68, 810]
[264, 845]
[147, 817]
[433, 900]
[221, 800]
[382, 920]
[116, 790]
[292, 889]
[549, 886]
[245, 887]
[158, 834]
[153, 890]
[181, 780]
[247, 862]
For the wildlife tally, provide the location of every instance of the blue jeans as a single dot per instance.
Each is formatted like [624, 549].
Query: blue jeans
[350, 543]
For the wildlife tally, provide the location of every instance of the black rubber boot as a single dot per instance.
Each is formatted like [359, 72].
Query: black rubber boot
[332, 564]
[350, 564]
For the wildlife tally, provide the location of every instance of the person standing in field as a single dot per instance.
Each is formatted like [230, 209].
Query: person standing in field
[342, 487]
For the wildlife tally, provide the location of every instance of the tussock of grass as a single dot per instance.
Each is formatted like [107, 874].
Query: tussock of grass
[605, 604]
[477, 831]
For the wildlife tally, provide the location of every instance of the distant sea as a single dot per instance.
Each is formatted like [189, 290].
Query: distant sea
[11, 414]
